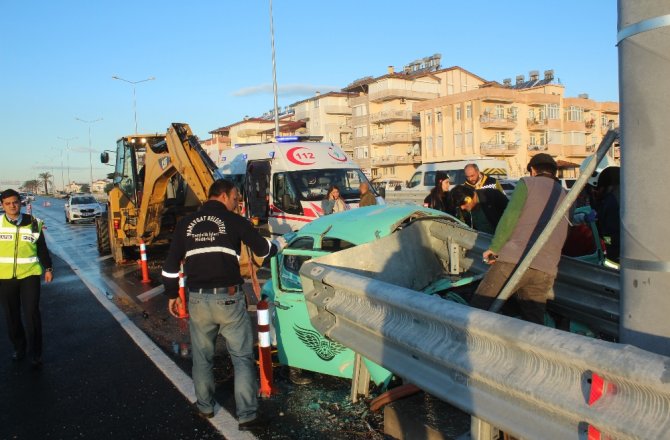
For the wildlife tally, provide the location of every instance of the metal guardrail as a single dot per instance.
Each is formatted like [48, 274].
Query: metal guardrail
[411, 197]
[532, 381]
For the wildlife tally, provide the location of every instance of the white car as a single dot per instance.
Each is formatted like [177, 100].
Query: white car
[82, 208]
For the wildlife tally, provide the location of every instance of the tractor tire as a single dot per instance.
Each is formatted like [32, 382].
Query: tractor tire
[102, 232]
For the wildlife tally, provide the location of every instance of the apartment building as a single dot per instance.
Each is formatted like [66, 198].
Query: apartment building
[514, 122]
[327, 115]
[248, 131]
[386, 130]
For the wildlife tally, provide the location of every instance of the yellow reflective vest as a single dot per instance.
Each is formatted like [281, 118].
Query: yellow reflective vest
[18, 249]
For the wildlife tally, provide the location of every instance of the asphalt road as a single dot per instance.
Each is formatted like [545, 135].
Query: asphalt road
[95, 381]
[116, 364]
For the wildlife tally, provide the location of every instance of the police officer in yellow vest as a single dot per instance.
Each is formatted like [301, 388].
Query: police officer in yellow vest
[23, 255]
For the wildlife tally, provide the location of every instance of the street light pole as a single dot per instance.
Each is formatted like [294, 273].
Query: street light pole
[90, 158]
[133, 83]
[67, 149]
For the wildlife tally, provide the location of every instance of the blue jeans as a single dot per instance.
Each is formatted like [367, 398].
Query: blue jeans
[209, 316]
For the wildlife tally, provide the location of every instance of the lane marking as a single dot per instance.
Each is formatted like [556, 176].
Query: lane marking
[223, 421]
[146, 296]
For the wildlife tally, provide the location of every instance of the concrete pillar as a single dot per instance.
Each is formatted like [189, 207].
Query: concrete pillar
[644, 87]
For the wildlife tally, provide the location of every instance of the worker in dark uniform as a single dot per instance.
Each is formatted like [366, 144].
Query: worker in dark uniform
[23, 258]
[209, 243]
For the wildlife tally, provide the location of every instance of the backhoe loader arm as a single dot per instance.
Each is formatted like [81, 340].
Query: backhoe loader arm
[182, 154]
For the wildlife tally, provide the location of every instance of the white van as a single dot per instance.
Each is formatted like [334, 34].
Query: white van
[423, 179]
[284, 182]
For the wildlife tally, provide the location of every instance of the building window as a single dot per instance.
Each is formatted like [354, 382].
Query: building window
[359, 110]
[360, 131]
[316, 103]
[554, 137]
[438, 117]
[438, 146]
[553, 112]
[500, 137]
[603, 120]
[468, 139]
[575, 138]
[429, 145]
[574, 113]
[500, 111]
[468, 110]
[458, 112]
[531, 114]
[458, 140]
[429, 119]
[391, 171]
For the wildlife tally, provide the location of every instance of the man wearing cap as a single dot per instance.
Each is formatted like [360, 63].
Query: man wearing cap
[532, 204]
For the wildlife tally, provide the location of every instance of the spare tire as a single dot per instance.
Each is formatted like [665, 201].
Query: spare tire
[102, 232]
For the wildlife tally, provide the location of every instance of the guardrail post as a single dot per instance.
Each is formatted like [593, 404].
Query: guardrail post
[360, 379]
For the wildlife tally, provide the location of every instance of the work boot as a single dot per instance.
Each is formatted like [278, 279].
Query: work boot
[298, 377]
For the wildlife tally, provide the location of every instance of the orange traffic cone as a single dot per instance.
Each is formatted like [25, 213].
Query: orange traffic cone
[143, 262]
[183, 312]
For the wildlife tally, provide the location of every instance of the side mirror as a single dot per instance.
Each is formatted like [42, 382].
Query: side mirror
[104, 157]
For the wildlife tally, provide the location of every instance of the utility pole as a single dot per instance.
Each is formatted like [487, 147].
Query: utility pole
[644, 90]
[90, 158]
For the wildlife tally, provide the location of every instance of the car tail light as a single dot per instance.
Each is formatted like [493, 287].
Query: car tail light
[117, 224]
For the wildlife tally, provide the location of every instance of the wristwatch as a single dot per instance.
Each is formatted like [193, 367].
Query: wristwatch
[49, 269]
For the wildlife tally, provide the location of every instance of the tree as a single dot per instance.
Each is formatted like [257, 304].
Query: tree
[31, 185]
[46, 177]
[85, 188]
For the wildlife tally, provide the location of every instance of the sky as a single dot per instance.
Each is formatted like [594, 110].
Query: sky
[212, 62]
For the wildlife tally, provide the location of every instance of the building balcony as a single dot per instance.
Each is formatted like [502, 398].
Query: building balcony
[553, 149]
[535, 124]
[363, 162]
[574, 126]
[358, 100]
[589, 126]
[576, 150]
[491, 96]
[391, 138]
[497, 123]
[389, 94]
[248, 132]
[540, 99]
[499, 149]
[393, 115]
[360, 141]
[337, 110]
[360, 120]
[302, 116]
[395, 160]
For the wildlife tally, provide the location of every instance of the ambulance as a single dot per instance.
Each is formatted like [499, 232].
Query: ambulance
[283, 183]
